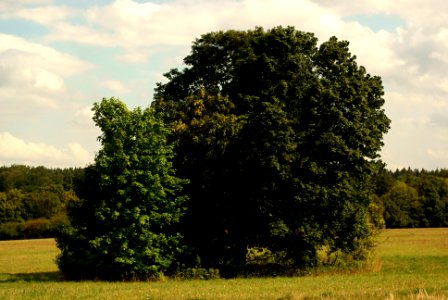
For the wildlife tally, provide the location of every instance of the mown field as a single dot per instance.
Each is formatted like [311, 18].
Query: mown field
[409, 264]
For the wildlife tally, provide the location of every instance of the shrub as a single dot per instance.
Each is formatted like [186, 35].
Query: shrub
[37, 228]
[12, 230]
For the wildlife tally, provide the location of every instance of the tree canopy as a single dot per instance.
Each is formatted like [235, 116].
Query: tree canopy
[123, 226]
[279, 137]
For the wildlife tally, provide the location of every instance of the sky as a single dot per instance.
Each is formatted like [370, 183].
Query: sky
[58, 57]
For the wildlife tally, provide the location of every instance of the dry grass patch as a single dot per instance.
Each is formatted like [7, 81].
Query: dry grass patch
[28, 256]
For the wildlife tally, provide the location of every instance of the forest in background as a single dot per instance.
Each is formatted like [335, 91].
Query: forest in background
[413, 198]
[34, 200]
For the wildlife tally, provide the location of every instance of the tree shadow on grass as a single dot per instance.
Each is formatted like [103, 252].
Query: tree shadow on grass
[31, 277]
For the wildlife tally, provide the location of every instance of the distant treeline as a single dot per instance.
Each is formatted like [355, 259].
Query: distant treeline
[413, 198]
[33, 200]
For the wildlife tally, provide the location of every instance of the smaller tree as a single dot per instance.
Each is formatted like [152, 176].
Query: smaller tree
[123, 226]
[399, 203]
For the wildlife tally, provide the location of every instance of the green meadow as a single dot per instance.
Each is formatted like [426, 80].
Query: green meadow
[408, 264]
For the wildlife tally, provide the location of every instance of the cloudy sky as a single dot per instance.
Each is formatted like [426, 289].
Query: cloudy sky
[57, 57]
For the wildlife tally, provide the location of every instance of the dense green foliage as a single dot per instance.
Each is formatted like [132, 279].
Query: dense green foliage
[34, 205]
[123, 227]
[279, 138]
[33, 200]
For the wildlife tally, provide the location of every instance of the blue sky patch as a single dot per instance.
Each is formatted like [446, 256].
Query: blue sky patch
[378, 22]
[81, 3]
[23, 28]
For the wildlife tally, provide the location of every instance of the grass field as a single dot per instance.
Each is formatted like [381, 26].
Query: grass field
[409, 264]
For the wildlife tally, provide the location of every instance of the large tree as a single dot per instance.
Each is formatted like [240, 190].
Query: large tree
[124, 225]
[279, 137]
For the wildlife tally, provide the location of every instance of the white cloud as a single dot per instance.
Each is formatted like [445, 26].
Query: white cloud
[438, 157]
[80, 155]
[22, 68]
[34, 97]
[41, 56]
[123, 11]
[358, 7]
[48, 81]
[16, 150]
[438, 154]
[12, 5]
[82, 119]
[32, 73]
[130, 24]
[45, 15]
[115, 86]
[85, 113]
[136, 26]
[134, 56]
